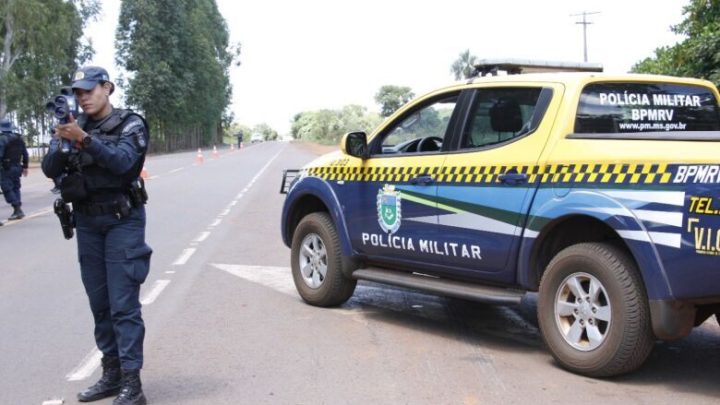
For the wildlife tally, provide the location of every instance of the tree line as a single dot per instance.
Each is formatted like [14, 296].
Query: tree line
[328, 126]
[42, 46]
[698, 54]
[237, 129]
[175, 54]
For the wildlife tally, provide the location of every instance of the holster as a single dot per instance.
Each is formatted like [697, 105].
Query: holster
[138, 193]
[65, 215]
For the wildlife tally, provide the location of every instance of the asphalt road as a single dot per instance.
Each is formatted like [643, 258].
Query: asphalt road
[225, 325]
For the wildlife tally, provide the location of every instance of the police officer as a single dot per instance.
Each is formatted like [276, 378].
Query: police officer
[101, 179]
[14, 156]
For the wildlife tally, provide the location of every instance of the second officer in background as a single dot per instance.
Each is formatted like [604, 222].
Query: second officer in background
[14, 156]
[101, 179]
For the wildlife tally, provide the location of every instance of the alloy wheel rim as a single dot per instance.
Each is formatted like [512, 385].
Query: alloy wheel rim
[582, 311]
[313, 260]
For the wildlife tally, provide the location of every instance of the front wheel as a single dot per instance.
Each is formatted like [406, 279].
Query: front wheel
[316, 262]
[593, 311]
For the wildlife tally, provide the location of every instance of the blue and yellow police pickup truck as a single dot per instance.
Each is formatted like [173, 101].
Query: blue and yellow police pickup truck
[599, 192]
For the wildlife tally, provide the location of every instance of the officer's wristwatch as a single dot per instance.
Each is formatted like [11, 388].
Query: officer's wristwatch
[86, 140]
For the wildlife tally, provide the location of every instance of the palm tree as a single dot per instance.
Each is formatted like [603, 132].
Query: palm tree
[464, 66]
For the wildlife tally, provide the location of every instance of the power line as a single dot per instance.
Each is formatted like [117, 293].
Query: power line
[584, 23]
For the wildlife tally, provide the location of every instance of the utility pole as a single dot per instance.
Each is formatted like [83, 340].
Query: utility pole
[584, 23]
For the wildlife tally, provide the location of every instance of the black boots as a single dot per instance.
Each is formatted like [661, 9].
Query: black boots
[109, 384]
[114, 381]
[17, 213]
[131, 393]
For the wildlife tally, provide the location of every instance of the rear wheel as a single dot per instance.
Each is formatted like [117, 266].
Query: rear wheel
[593, 311]
[316, 262]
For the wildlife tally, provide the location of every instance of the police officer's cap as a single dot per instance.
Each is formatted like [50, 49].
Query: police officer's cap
[6, 126]
[88, 77]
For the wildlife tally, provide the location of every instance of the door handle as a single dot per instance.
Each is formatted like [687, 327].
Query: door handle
[422, 180]
[514, 178]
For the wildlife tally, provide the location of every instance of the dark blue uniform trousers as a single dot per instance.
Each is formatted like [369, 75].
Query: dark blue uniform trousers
[10, 184]
[114, 261]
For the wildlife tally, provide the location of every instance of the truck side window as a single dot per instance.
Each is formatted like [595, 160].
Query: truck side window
[628, 108]
[499, 115]
[422, 129]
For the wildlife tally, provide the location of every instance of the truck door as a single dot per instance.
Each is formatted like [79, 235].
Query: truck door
[491, 176]
[390, 207]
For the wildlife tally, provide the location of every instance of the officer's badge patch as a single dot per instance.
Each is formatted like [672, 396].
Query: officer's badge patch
[79, 75]
[141, 139]
[389, 209]
[135, 128]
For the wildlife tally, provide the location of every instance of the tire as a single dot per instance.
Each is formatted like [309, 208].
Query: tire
[717, 317]
[316, 262]
[607, 335]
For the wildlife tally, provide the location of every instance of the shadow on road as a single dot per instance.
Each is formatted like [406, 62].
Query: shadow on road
[690, 365]
[190, 388]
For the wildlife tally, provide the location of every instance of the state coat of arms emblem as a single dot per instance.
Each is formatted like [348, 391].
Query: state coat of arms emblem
[389, 209]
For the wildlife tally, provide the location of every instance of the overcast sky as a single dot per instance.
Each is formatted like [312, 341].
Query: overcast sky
[310, 54]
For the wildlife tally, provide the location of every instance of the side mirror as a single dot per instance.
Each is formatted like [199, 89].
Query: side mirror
[355, 144]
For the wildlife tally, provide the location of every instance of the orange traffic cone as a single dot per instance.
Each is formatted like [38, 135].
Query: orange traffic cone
[144, 173]
[199, 159]
[215, 152]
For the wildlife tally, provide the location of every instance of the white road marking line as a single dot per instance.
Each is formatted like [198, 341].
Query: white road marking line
[31, 216]
[201, 237]
[233, 203]
[92, 360]
[227, 211]
[39, 213]
[54, 402]
[175, 170]
[277, 278]
[86, 367]
[152, 177]
[157, 288]
[254, 179]
[184, 257]
[170, 272]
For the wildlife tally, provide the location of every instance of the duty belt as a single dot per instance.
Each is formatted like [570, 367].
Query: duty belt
[120, 207]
